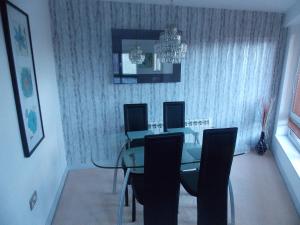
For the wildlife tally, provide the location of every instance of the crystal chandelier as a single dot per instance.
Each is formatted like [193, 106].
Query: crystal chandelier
[136, 55]
[170, 47]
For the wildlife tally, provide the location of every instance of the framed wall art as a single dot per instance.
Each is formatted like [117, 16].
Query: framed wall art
[21, 62]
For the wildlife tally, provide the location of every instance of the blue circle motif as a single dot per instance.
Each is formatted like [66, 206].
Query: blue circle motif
[32, 121]
[26, 82]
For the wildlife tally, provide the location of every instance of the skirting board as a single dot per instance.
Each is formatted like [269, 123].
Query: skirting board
[57, 197]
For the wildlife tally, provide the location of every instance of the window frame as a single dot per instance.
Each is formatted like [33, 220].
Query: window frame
[293, 116]
[294, 139]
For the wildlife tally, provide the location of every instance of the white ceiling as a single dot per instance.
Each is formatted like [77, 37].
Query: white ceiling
[259, 5]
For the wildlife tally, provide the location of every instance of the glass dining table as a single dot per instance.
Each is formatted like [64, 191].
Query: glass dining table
[116, 153]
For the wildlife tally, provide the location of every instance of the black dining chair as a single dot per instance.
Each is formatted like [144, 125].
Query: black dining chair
[158, 188]
[174, 115]
[210, 183]
[135, 119]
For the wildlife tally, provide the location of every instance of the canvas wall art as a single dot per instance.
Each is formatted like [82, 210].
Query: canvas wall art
[21, 62]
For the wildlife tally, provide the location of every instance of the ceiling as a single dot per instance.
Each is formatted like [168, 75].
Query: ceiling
[257, 5]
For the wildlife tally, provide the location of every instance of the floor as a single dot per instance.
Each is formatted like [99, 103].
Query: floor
[261, 197]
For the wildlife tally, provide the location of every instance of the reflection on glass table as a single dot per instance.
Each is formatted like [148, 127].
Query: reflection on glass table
[134, 158]
[186, 131]
[132, 135]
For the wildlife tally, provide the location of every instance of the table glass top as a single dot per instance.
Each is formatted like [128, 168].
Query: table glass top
[138, 134]
[114, 152]
[186, 130]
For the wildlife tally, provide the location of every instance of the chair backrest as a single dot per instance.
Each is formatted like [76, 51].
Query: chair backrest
[174, 115]
[217, 153]
[135, 117]
[162, 178]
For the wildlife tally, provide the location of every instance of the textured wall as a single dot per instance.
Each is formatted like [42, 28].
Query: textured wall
[234, 60]
[45, 170]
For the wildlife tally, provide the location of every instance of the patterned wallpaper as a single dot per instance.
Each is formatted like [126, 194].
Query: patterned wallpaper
[234, 60]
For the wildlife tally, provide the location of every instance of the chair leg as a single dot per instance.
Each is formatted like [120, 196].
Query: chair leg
[133, 208]
[126, 192]
[126, 196]
[232, 208]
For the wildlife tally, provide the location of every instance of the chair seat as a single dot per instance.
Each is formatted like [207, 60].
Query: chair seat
[189, 180]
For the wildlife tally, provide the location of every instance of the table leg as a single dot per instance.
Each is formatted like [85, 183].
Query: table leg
[122, 197]
[232, 209]
[115, 181]
[116, 170]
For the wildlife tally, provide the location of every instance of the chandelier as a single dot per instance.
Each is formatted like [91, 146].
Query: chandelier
[170, 48]
[136, 55]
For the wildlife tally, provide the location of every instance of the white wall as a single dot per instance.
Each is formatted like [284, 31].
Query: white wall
[45, 170]
[292, 16]
[286, 155]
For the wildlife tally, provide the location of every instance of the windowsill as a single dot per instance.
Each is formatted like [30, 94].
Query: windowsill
[290, 150]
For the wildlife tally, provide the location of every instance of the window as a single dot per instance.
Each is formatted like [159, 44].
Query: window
[294, 120]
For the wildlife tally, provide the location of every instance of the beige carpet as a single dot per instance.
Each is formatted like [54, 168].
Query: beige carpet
[261, 197]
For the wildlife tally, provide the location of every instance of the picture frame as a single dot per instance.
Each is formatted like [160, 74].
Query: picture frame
[23, 75]
[154, 72]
